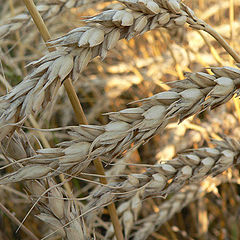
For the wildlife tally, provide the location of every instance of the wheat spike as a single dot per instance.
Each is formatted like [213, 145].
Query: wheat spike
[198, 92]
[146, 226]
[81, 45]
[169, 177]
[174, 205]
[61, 216]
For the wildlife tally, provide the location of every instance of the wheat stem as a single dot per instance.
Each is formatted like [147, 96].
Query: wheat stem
[77, 109]
[223, 42]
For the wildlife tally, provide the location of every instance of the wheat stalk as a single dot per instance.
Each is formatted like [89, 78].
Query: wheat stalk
[77, 109]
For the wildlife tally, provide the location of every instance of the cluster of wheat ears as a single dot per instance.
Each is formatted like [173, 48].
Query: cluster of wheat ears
[184, 177]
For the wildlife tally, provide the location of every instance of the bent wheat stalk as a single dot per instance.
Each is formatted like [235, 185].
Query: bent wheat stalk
[78, 112]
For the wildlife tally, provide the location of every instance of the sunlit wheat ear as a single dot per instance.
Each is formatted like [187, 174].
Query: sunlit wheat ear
[146, 226]
[198, 92]
[170, 176]
[81, 45]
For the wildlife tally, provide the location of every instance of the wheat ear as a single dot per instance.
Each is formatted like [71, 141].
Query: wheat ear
[61, 216]
[101, 34]
[174, 205]
[198, 92]
[54, 211]
[170, 176]
[146, 226]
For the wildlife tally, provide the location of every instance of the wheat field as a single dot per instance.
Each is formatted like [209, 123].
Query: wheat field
[119, 120]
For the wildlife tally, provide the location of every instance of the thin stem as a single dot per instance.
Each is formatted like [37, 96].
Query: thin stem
[77, 109]
[177, 66]
[223, 42]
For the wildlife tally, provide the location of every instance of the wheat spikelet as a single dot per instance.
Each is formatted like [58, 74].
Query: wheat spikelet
[128, 212]
[196, 93]
[101, 34]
